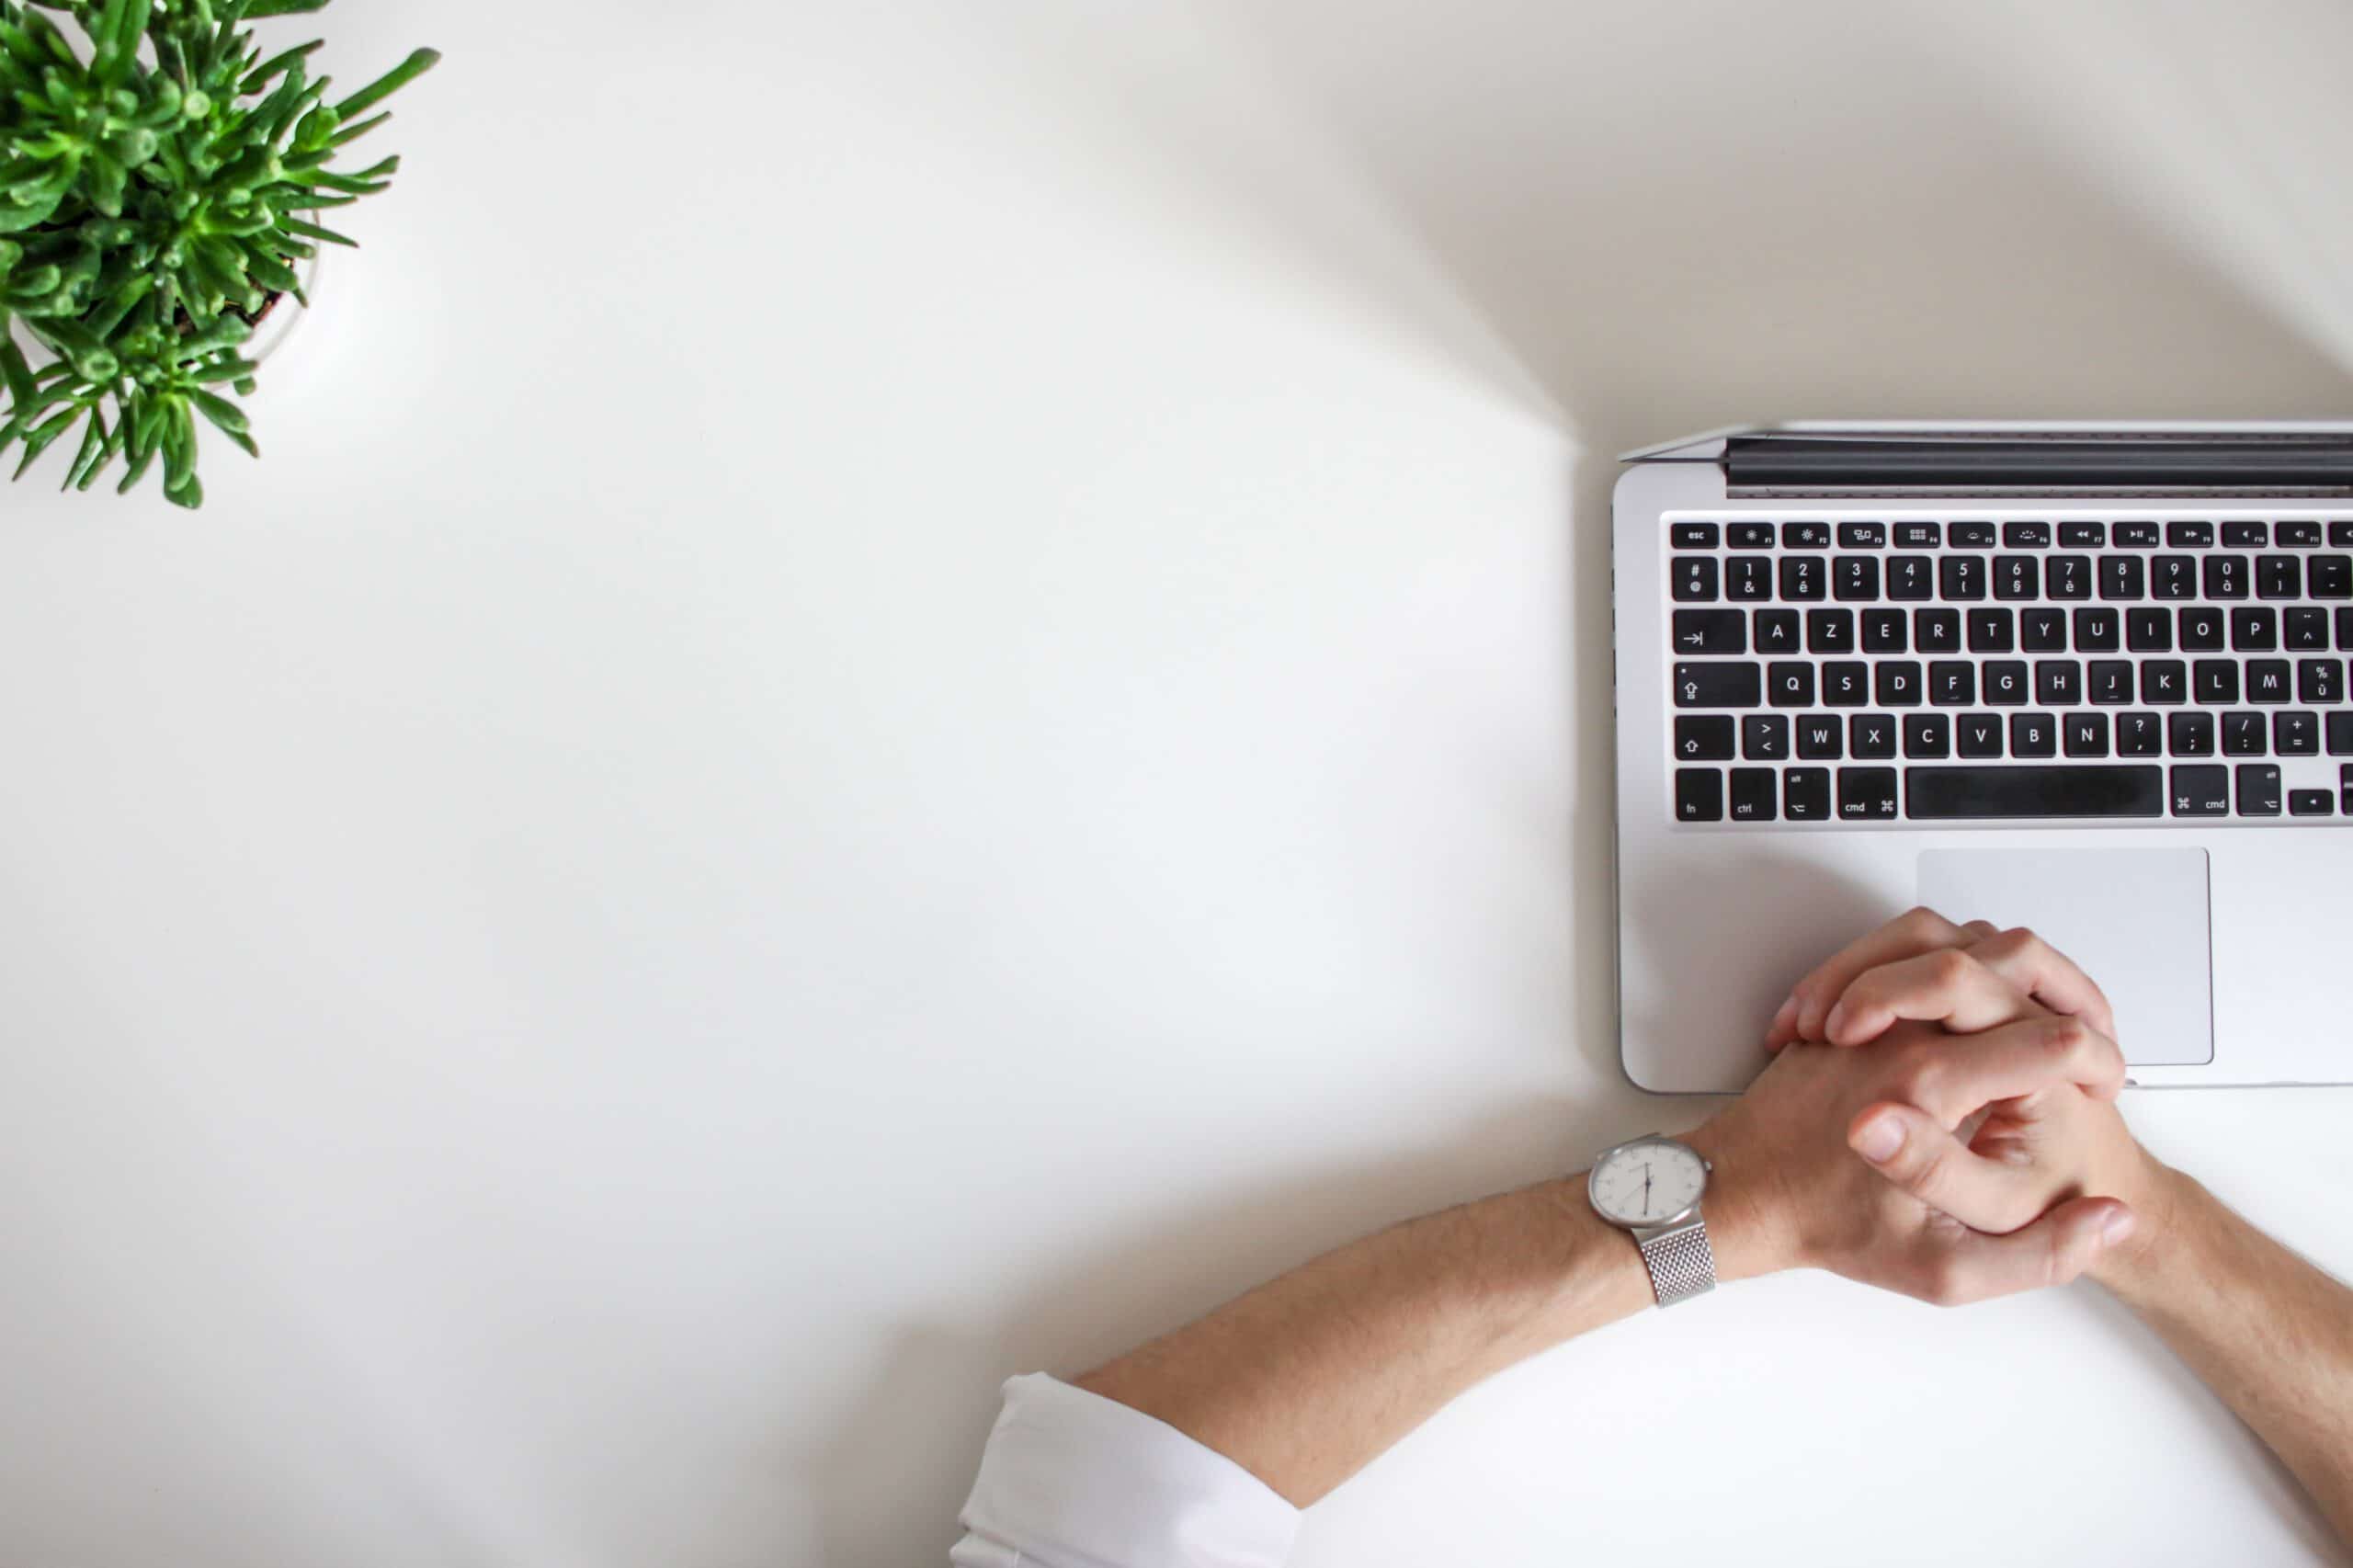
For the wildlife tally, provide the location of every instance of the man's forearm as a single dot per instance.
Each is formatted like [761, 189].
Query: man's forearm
[2270, 1333]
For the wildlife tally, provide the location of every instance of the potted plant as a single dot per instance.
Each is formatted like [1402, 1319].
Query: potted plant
[161, 186]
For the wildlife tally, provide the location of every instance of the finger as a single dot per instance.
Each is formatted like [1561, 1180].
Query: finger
[1949, 986]
[1918, 931]
[2053, 1250]
[1917, 1152]
[1952, 1080]
[2048, 975]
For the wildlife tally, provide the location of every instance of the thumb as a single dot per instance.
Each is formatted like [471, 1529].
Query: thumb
[2054, 1250]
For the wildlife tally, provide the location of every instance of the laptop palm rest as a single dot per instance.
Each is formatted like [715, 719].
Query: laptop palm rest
[2135, 920]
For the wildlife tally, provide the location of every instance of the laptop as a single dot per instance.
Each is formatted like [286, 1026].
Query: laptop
[2085, 679]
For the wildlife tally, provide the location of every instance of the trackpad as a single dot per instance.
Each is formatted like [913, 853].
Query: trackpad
[2133, 919]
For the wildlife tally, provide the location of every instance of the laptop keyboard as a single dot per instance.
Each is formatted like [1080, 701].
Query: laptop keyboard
[1992, 670]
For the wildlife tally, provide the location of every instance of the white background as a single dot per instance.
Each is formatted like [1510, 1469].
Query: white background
[912, 687]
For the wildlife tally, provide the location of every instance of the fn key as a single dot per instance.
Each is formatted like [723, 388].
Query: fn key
[1699, 794]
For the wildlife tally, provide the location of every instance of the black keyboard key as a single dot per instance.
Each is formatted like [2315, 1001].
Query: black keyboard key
[1927, 735]
[2025, 536]
[1790, 685]
[2140, 734]
[1719, 684]
[1710, 631]
[1883, 631]
[1692, 536]
[2043, 631]
[2067, 577]
[1871, 737]
[2243, 734]
[1854, 578]
[1937, 631]
[2016, 577]
[1978, 734]
[1866, 794]
[2340, 735]
[2307, 628]
[1969, 536]
[1918, 536]
[2123, 578]
[1992, 631]
[1699, 794]
[1695, 580]
[2190, 536]
[2299, 536]
[1703, 737]
[2258, 790]
[2111, 681]
[2214, 682]
[1846, 683]
[2320, 682]
[2201, 630]
[1765, 737]
[1821, 737]
[1750, 536]
[2279, 577]
[1959, 577]
[1805, 536]
[2191, 733]
[2340, 536]
[1830, 631]
[2173, 577]
[2058, 683]
[2034, 735]
[2086, 734]
[2310, 803]
[2201, 791]
[2331, 577]
[1748, 578]
[2345, 630]
[1804, 578]
[1911, 577]
[2255, 629]
[2295, 732]
[1753, 791]
[2097, 630]
[2006, 682]
[2082, 536]
[2245, 536]
[2268, 681]
[2148, 631]
[2226, 576]
[2136, 536]
[1777, 631]
[2164, 681]
[1805, 794]
[1862, 536]
[1898, 683]
[2058, 790]
[1952, 683]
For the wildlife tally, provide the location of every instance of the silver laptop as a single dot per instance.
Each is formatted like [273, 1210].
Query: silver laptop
[2086, 678]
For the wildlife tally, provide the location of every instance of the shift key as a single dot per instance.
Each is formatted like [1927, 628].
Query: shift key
[1719, 684]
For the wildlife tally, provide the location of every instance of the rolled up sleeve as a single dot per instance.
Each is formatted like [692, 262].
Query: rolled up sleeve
[1073, 1480]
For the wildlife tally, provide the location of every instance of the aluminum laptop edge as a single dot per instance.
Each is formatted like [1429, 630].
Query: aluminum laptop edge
[2222, 932]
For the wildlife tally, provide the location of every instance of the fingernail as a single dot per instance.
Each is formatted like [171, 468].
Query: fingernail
[1830, 1024]
[2117, 1227]
[1784, 1017]
[1878, 1138]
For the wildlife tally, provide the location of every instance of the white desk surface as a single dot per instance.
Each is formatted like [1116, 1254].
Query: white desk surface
[912, 687]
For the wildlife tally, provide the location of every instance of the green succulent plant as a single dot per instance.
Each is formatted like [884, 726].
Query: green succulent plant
[159, 183]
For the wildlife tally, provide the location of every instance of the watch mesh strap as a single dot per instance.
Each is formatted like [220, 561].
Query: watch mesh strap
[1681, 1262]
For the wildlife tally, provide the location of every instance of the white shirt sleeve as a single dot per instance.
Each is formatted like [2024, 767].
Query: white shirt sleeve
[1073, 1480]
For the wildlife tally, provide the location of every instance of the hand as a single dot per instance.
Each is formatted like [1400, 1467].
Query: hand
[1997, 1162]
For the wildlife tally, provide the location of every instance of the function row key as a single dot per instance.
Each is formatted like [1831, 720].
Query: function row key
[1692, 536]
[2025, 536]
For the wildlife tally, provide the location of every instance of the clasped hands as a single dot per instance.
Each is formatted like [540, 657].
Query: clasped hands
[1939, 1119]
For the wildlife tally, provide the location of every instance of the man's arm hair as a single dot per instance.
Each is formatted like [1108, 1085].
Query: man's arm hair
[2269, 1332]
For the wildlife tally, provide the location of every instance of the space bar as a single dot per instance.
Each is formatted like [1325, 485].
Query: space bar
[1949, 793]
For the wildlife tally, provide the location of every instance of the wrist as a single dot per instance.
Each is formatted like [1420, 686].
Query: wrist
[2160, 1197]
[1748, 1215]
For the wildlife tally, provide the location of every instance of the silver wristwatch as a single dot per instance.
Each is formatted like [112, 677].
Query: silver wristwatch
[1651, 1187]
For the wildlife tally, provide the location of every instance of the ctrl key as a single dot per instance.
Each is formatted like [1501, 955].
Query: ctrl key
[1753, 791]
[1699, 794]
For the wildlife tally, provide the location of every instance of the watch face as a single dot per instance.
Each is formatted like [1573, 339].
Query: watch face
[1648, 1182]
